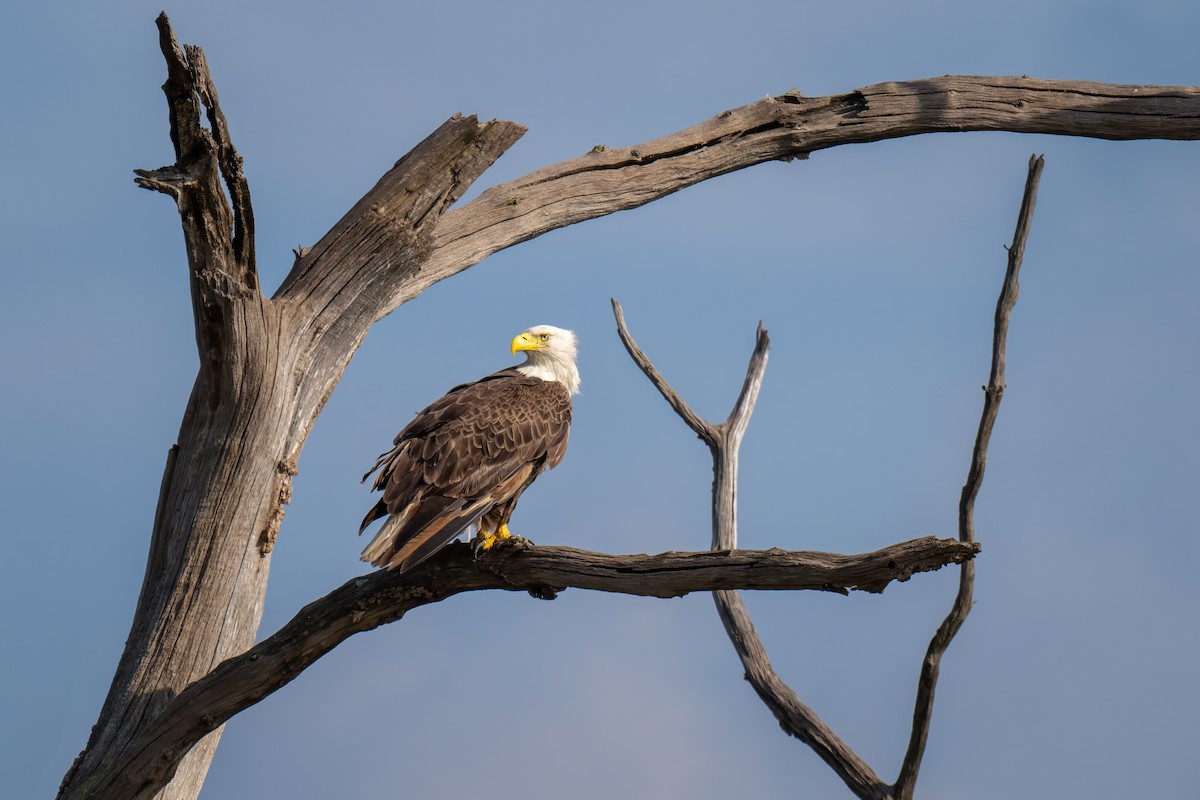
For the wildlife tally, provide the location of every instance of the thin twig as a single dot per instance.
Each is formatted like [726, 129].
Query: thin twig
[704, 429]
[927, 683]
[739, 417]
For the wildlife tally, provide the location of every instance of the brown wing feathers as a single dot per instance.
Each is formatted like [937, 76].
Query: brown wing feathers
[475, 449]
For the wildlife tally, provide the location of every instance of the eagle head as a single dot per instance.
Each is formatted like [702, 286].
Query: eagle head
[549, 354]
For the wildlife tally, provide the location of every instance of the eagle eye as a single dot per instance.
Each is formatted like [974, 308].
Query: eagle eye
[545, 337]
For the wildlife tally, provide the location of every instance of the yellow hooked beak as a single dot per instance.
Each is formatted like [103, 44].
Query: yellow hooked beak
[526, 341]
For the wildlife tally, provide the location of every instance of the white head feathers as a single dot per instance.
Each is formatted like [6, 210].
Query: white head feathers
[549, 355]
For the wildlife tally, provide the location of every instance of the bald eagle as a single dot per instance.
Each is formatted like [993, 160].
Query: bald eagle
[465, 459]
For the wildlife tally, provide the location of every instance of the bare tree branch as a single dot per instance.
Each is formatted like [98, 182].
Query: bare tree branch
[220, 240]
[739, 417]
[203, 155]
[379, 598]
[993, 394]
[343, 284]
[708, 433]
[606, 180]
[796, 718]
[388, 233]
[227, 157]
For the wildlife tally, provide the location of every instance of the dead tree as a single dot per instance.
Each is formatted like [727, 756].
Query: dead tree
[267, 365]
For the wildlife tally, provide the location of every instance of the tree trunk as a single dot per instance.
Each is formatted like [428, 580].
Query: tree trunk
[266, 368]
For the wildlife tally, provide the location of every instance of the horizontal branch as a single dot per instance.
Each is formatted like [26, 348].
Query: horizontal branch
[379, 598]
[606, 180]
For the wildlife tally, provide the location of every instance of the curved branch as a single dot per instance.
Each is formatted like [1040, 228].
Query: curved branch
[606, 180]
[342, 284]
[993, 393]
[379, 598]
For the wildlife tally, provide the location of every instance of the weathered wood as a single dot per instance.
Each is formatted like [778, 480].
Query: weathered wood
[202, 594]
[724, 442]
[385, 596]
[268, 365]
[906, 782]
[794, 716]
[789, 126]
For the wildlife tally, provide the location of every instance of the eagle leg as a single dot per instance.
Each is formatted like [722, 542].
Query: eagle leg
[485, 541]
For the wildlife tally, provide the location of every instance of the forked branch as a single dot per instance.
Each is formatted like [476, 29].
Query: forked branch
[795, 717]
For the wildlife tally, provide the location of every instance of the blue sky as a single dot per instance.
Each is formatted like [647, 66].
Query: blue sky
[875, 269]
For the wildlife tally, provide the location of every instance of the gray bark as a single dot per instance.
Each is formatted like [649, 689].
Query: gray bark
[906, 782]
[267, 365]
[266, 368]
[365, 603]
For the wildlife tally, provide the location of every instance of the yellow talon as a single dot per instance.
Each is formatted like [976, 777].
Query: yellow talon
[486, 541]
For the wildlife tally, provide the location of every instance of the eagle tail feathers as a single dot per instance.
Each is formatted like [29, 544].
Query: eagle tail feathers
[406, 539]
[376, 552]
